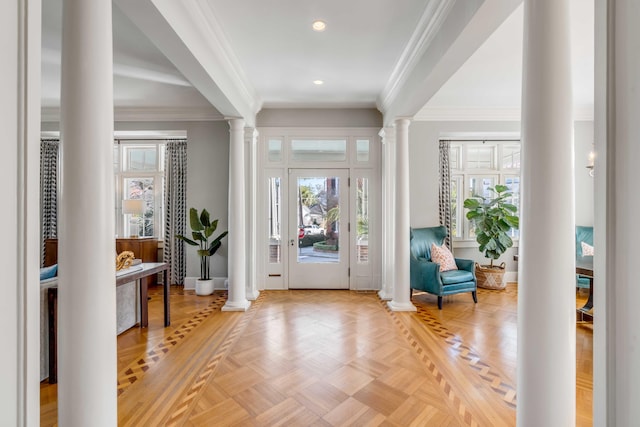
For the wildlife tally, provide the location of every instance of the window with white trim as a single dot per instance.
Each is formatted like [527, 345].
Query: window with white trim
[139, 175]
[475, 166]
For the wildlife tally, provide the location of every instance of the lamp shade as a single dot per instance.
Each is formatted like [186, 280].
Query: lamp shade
[133, 207]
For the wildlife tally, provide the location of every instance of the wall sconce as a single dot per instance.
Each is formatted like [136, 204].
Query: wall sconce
[133, 208]
[590, 165]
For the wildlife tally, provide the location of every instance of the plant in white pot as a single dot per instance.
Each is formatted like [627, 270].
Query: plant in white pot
[492, 218]
[202, 228]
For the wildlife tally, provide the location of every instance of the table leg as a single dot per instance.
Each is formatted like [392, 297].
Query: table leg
[589, 304]
[144, 303]
[166, 285]
[52, 298]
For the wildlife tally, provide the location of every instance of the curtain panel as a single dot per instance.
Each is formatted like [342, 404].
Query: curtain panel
[49, 154]
[444, 195]
[175, 196]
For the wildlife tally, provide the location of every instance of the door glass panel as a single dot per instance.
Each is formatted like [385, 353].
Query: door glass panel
[275, 220]
[362, 215]
[319, 150]
[362, 150]
[275, 150]
[318, 212]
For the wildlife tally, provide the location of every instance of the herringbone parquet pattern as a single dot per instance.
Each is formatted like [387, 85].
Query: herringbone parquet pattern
[325, 358]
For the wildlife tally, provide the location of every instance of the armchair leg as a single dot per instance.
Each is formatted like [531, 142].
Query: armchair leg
[439, 303]
[474, 294]
[410, 293]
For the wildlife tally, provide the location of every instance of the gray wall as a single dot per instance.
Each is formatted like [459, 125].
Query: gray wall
[207, 176]
[423, 169]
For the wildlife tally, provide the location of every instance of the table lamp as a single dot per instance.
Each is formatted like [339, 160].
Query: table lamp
[133, 208]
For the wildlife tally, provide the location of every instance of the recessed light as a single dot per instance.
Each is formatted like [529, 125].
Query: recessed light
[319, 25]
[318, 82]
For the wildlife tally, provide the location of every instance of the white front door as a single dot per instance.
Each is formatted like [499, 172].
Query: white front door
[318, 229]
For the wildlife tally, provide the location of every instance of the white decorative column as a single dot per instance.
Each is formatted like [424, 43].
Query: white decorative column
[251, 140]
[237, 299]
[87, 365]
[387, 135]
[546, 296]
[401, 287]
[616, 352]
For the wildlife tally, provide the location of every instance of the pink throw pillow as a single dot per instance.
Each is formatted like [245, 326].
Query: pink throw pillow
[443, 256]
[587, 249]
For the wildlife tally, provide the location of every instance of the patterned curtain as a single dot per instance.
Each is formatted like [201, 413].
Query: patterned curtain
[48, 192]
[444, 196]
[175, 196]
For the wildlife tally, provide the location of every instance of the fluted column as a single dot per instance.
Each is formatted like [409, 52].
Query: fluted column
[401, 285]
[250, 142]
[388, 212]
[546, 295]
[237, 299]
[87, 365]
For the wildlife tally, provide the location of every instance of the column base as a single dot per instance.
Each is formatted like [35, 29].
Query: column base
[385, 295]
[403, 306]
[236, 306]
[253, 294]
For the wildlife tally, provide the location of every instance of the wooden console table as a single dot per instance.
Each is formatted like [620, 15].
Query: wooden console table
[584, 267]
[148, 271]
[144, 248]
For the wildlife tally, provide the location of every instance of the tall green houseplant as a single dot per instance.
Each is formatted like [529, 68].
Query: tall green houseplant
[492, 218]
[202, 228]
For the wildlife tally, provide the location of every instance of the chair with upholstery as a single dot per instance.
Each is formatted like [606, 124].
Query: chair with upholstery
[426, 275]
[583, 234]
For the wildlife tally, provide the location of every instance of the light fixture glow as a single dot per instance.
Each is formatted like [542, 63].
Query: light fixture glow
[319, 25]
[318, 82]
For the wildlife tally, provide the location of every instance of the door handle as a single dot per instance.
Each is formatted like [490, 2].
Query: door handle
[292, 242]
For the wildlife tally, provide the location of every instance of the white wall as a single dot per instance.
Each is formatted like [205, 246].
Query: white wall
[423, 168]
[584, 183]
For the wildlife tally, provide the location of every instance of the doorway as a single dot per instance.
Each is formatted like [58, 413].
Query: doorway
[318, 248]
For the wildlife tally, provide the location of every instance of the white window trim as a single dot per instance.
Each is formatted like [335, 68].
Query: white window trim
[463, 175]
[158, 175]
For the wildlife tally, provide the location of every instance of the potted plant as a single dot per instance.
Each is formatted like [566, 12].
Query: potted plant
[202, 228]
[491, 219]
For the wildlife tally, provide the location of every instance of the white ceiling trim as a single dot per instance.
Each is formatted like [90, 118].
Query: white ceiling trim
[428, 26]
[212, 32]
[141, 114]
[484, 114]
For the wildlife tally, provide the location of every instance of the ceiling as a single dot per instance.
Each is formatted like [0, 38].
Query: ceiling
[488, 84]
[215, 58]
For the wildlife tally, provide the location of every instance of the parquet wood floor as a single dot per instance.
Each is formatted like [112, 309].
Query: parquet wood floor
[326, 358]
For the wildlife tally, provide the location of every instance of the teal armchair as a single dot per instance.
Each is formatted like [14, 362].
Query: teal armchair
[426, 276]
[583, 234]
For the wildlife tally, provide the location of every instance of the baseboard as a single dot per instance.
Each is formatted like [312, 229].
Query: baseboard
[511, 276]
[219, 283]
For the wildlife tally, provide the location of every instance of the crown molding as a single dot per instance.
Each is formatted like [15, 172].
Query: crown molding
[428, 26]
[211, 29]
[484, 114]
[147, 114]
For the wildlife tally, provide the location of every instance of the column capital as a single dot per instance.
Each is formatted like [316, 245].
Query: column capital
[250, 134]
[403, 122]
[235, 123]
[387, 135]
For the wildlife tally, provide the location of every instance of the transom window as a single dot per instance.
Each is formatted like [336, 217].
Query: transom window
[475, 167]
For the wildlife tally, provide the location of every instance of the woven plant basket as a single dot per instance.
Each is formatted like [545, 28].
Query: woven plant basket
[491, 278]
